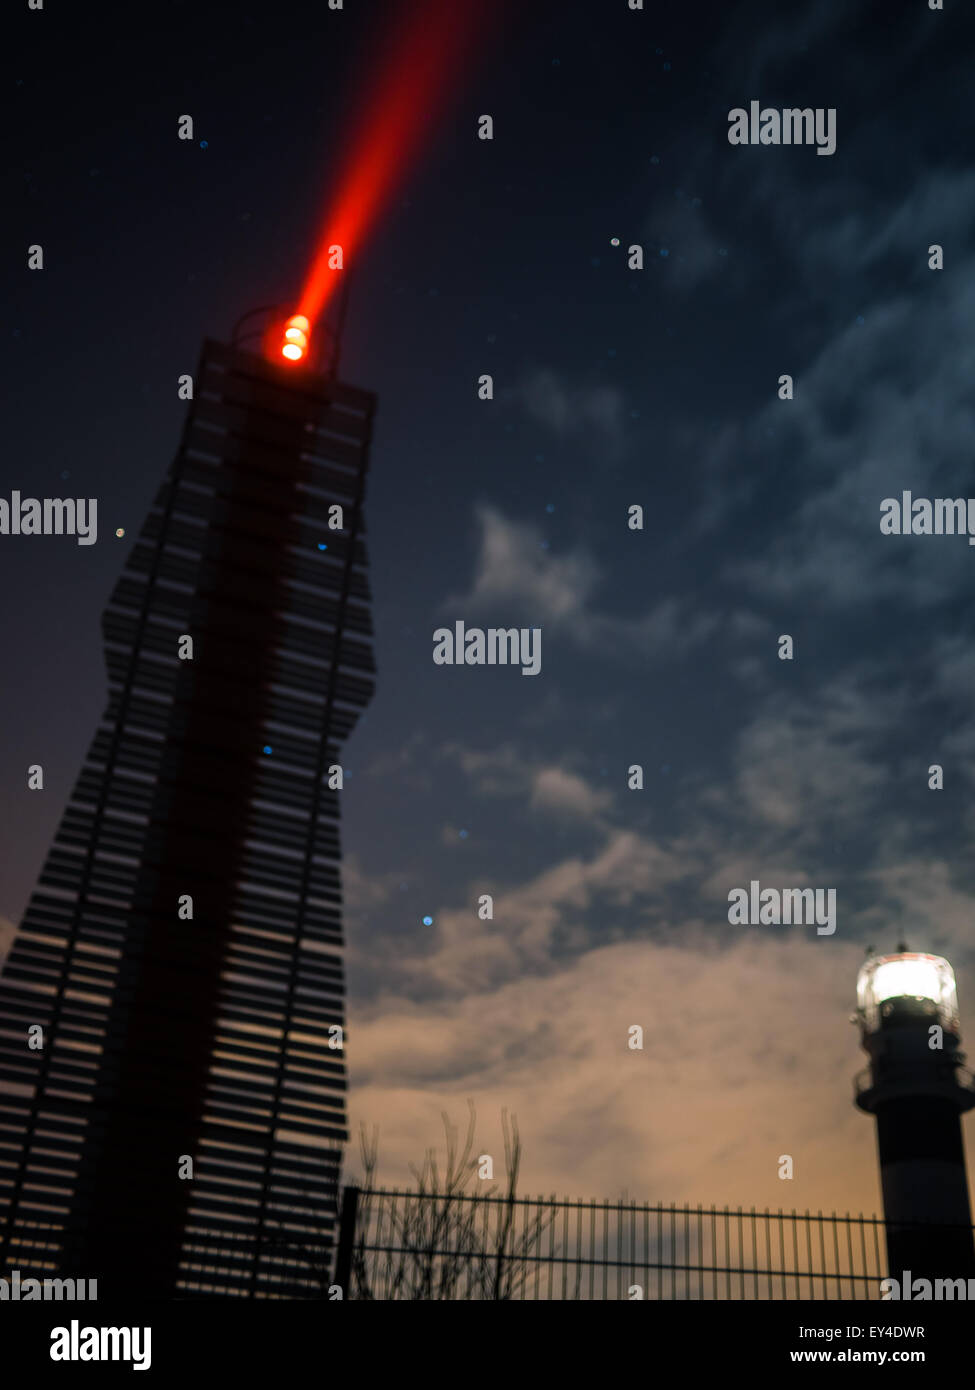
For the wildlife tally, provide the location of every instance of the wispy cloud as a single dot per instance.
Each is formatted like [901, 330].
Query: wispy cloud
[747, 1055]
[517, 580]
[566, 408]
[565, 794]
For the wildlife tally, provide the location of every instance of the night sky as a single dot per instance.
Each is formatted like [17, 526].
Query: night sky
[613, 387]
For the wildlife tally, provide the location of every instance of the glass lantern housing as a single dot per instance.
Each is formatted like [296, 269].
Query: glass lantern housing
[907, 987]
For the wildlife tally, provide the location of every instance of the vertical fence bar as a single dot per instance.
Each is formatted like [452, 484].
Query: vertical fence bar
[579, 1237]
[619, 1244]
[483, 1254]
[837, 1255]
[536, 1206]
[782, 1265]
[876, 1246]
[700, 1252]
[565, 1248]
[768, 1252]
[646, 1250]
[795, 1252]
[866, 1261]
[455, 1265]
[605, 1248]
[387, 1259]
[347, 1225]
[812, 1280]
[631, 1277]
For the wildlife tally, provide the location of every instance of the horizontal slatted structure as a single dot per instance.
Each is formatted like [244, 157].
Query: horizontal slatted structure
[216, 1036]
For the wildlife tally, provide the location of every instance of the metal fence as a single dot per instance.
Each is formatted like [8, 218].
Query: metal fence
[430, 1246]
[395, 1245]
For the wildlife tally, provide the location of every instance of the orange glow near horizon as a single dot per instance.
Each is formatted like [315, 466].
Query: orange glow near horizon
[422, 66]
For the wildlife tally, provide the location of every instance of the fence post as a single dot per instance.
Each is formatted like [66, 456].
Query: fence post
[347, 1225]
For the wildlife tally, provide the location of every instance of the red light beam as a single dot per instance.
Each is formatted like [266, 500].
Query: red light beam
[411, 89]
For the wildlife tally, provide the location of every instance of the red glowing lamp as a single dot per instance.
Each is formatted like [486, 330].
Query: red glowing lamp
[295, 344]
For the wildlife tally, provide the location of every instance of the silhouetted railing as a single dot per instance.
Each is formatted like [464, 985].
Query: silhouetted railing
[416, 1245]
[410, 1245]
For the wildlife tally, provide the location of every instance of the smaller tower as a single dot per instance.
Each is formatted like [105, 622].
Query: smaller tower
[918, 1088]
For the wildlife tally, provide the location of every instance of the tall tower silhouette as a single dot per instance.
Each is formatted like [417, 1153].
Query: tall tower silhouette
[181, 951]
[918, 1088]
